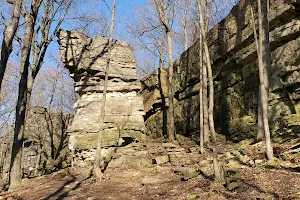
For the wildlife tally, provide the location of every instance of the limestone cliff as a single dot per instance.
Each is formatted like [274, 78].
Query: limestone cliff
[235, 71]
[86, 60]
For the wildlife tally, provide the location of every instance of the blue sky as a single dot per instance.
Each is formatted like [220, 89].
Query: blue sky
[124, 12]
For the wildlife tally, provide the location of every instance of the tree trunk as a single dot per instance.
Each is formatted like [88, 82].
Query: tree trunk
[264, 63]
[211, 89]
[164, 19]
[219, 176]
[264, 29]
[201, 95]
[171, 122]
[211, 115]
[8, 37]
[260, 127]
[16, 155]
[97, 164]
[205, 105]
[161, 91]
[186, 44]
[204, 81]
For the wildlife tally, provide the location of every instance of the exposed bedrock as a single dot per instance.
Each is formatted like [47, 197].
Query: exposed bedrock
[235, 71]
[86, 59]
[45, 146]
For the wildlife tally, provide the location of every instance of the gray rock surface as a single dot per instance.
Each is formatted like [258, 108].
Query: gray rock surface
[86, 59]
[45, 145]
[159, 160]
[236, 83]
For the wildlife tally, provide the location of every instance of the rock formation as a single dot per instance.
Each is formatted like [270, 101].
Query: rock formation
[45, 143]
[86, 60]
[234, 59]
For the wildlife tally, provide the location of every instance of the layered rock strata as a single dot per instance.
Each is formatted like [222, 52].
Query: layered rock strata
[86, 59]
[234, 62]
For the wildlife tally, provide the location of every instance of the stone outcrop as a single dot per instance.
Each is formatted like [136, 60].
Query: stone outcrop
[234, 58]
[86, 59]
[45, 143]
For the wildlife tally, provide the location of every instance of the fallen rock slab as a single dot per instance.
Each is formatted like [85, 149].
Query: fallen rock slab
[186, 172]
[159, 160]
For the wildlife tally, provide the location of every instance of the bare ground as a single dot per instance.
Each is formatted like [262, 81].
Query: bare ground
[130, 181]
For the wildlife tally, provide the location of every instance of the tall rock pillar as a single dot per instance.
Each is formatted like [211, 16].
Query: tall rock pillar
[86, 60]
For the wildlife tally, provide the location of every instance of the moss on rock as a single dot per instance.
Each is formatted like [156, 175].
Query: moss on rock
[242, 128]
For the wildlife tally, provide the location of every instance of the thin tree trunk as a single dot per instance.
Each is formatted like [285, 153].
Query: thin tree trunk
[204, 81]
[163, 17]
[97, 164]
[216, 167]
[186, 45]
[204, 29]
[266, 56]
[8, 37]
[264, 62]
[201, 95]
[211, 89]
[171, 122]
[205, 105]
[260, 127]
[162, 95]
[211, 115]
[16, 155]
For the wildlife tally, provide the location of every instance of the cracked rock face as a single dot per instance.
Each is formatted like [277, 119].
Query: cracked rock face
[235, 70]
[86, 59]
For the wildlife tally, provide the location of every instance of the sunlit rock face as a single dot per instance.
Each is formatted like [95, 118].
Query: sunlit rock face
[235, 70]
[86, 59]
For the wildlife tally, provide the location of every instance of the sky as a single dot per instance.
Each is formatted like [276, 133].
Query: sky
[124, 12]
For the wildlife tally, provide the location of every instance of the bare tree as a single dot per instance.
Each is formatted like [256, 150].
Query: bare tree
[211, 92]
[183, 16]
[150, 36]
[203, 76]
[201, 104]
[163, 13]
[264, 63]
[16, 155]
[38, 48]
[97, 164]
[8, 36]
